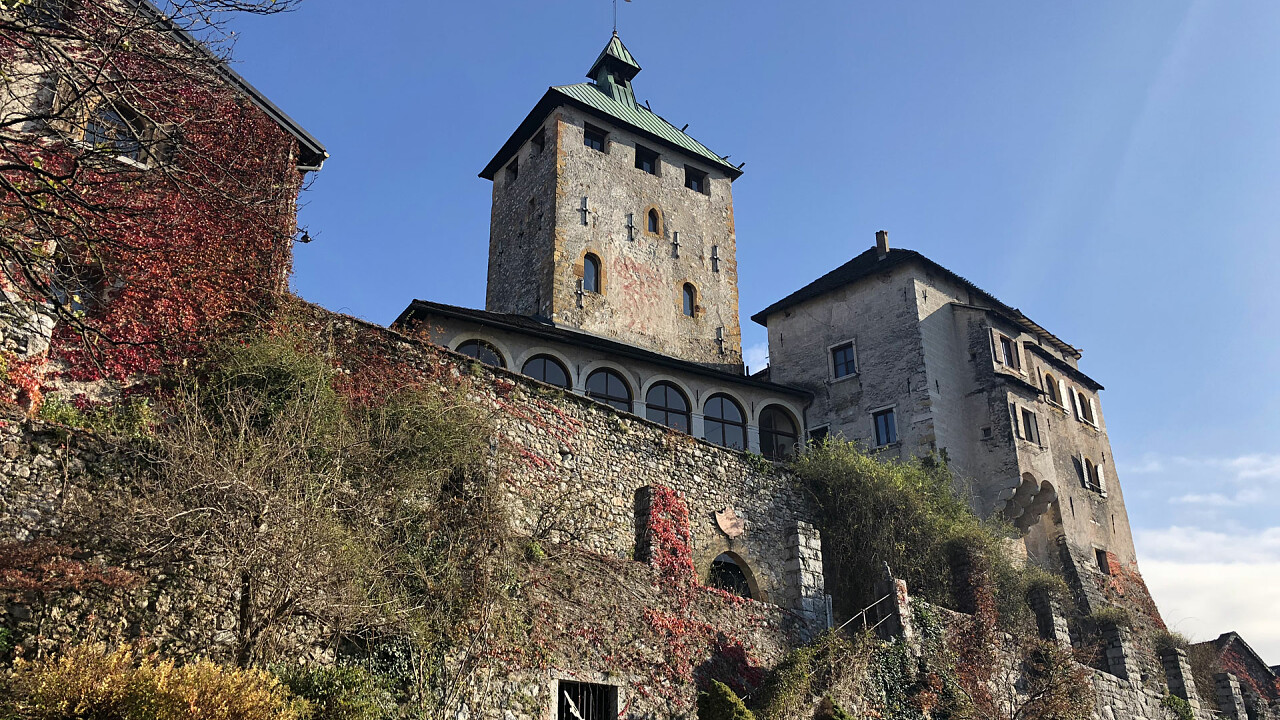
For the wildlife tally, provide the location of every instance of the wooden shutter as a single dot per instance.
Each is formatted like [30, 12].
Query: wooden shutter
[1093, 411]
[1062, 393]
[1102, 485]
[995, 347]
[1035, 429]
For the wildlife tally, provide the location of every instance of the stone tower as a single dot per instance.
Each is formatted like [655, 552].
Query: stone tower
[610, 220]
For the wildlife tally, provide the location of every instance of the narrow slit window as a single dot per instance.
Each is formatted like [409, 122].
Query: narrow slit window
[591, 274]
[655, 222]
[513, 170]
[690, 300]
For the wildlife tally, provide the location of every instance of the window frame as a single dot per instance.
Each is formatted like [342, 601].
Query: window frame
[487, 344]
[107, 141]
[831, 359]
[822, 433]
[1005, 351]
[1052, 390]
[613, 401]
[652, 157]
[608, 702]
[548, 358]
[693, 175]
[708, 421]
[602, 136]
[597, 276]
[891, 429]
[1029, 424]
[666, 410]
[653, 221]
[766, 449]
[689, 300]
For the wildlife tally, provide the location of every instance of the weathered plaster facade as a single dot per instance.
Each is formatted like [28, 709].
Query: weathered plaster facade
[931, 347]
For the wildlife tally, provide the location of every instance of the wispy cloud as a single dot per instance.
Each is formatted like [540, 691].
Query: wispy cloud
[1249, 467]
[1194, 545]
[756, 356]
[1207, 582]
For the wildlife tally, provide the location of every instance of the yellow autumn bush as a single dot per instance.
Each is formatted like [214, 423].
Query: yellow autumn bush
[90, 683]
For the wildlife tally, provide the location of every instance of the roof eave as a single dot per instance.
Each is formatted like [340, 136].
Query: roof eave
[604, 343]
[553, 99]
[312, 153]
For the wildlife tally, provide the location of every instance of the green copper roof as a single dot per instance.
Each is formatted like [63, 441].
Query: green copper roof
[612, 97]
[619, 52]
[642, 118]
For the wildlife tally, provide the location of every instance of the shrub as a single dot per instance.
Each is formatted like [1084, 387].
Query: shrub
[908, 515]
[1180, 708]
[835, 665]
[340, 693]
[1165, 640]
[89, 682]
[1111, 616]
[720, 703]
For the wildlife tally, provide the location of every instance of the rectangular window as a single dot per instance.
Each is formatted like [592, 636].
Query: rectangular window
[696, 180]
[1103, 565]
[513, 170]
[817, 436]
[540, 141]
[594, 138]
[1030, 426]
[843, 361]
[1008, 353]
[646, 160]
[586, 701]
[886, 428]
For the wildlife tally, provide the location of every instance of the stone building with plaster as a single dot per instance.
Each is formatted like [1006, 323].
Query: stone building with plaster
[908, 358]
[613, 272]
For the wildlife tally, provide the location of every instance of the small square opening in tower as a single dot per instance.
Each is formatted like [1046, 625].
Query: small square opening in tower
[1103, 565]
[513, 170]
[646, 160]
[586, 701]
[540, 140]
[696, 180]
[595, 138]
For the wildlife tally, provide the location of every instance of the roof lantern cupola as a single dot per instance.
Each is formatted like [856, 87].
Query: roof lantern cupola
[614, 70]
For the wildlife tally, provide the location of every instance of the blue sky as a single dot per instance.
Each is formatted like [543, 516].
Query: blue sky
[1111, 169]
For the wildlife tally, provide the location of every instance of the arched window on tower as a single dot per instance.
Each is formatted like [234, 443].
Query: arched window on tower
[591, 274]
[655, 222]
[778, 434]
[482, 351]
[608, 387]
[725, 423]
[690, 300]
[664, 403]
[728, 575]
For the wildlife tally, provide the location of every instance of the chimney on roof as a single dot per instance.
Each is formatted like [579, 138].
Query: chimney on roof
[882, 243]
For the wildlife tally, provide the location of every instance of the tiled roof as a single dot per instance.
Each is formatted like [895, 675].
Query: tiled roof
[870, 263]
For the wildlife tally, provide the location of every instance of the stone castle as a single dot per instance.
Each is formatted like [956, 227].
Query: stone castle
[610, 348]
